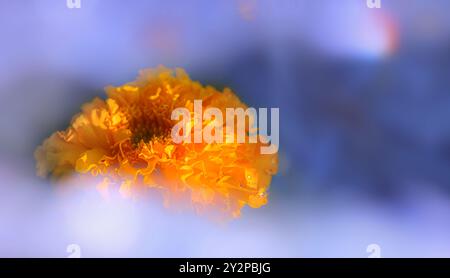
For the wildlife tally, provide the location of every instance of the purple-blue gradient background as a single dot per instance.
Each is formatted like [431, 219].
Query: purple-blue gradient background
[364, 98]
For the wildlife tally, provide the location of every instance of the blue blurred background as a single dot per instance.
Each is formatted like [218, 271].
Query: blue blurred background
[364, 98]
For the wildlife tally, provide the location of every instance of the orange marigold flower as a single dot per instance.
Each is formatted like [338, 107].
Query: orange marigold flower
[126, 141]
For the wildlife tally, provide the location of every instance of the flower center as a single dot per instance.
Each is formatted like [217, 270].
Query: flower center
[148, 124]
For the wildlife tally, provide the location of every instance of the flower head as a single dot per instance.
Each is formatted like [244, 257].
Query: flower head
[126, 141]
